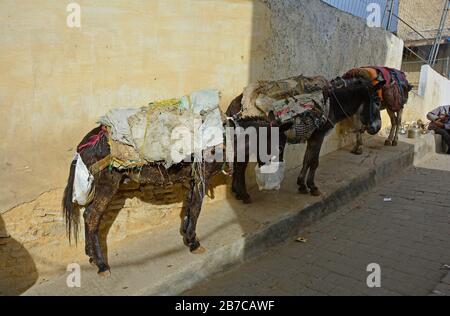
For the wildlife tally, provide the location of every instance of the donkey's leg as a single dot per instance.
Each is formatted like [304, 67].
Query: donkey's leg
[398, 124]
[190, 224]
[358, 149]
[315, 144]
[390, 139]
[239, 185]
[301, 180]
[106, 185]
[187, 204]
[307, 159]
[89, 247]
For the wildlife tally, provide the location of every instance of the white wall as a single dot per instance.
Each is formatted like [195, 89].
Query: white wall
[434, 91]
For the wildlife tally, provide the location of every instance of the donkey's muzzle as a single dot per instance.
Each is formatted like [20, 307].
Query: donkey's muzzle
[374, 128]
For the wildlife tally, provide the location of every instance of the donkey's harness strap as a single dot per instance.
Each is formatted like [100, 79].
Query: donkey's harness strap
[100, 165]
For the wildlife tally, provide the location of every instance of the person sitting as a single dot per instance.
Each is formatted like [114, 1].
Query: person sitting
[440, 123]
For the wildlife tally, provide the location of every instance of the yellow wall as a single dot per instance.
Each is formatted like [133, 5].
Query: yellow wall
[56, 81]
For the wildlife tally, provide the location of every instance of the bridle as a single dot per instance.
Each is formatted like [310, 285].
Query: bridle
[342, 83]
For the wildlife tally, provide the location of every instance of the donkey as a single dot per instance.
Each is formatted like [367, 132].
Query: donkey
[347, 97]
[394, 96]
[107, 182]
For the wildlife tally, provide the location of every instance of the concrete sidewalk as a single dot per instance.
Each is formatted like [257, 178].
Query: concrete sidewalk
[403, 225]
[158, 263]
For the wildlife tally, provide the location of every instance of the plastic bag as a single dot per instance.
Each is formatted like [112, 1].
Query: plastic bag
[82, 184]
[270, 176]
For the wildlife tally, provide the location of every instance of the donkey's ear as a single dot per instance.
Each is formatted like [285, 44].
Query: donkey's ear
[379, 85]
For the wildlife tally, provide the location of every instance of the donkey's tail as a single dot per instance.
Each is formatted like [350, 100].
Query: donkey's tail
[71, 211]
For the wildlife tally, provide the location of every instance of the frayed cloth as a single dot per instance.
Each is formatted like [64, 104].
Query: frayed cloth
[298, 99]
[258, 98]
[166, 132]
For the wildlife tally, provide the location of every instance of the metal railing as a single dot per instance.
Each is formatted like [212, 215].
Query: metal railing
[442, 66]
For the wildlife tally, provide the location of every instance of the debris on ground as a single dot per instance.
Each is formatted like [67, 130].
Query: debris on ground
[302, 240]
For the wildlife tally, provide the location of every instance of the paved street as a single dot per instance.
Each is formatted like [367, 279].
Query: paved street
[403, 225]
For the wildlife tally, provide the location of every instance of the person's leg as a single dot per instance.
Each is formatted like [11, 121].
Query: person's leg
[447, 140]
[445, 136]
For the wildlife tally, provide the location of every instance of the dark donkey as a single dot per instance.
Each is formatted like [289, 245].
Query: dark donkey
[108, 180]
[347, 97]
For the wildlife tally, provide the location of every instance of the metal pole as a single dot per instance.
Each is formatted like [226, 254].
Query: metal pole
[437, 41]
[447, 74]
[391, 9]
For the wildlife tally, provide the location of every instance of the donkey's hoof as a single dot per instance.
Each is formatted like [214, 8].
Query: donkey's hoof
[357, 151]
[105, 274]
[200, 250]
[92, 263]
[316, 192]
[395, 143]
[243, 197]
[387, 142]
[303, 190]
[104, 271]
[247, 200]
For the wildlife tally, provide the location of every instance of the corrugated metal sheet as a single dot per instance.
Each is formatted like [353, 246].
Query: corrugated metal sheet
[359, 9]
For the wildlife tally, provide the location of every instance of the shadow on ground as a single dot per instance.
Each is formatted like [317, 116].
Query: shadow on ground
[17, 269]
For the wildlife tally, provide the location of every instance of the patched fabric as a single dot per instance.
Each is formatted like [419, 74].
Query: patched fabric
[298, 99]
[258, 98]
[166, 131]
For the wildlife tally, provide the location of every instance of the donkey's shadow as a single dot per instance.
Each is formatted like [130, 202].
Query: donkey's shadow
[151, 195]
[17, 269]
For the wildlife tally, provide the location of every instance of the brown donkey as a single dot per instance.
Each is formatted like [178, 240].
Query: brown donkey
[194, 176]
[394, 96]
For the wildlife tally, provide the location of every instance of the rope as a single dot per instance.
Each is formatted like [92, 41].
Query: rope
[340, 105]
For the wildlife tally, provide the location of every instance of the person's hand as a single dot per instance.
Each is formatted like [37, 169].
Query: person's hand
[443, 117]
[438, 123]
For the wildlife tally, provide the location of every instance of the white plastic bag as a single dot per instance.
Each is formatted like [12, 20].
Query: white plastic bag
[82, 184]
[270, 176]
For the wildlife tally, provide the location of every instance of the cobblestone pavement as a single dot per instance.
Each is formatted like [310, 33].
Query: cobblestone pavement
[403, 225]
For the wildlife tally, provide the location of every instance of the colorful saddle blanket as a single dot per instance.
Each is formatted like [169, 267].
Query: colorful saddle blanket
[395, 92]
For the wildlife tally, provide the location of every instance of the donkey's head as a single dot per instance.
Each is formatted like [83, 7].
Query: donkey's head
[358, 95]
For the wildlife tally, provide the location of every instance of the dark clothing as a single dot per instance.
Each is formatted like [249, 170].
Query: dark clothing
[445, 133]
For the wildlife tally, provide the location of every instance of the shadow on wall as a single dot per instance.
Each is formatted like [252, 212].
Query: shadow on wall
[17, 269]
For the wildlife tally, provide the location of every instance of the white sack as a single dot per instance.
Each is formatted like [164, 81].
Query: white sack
[117, 120]
[170, 134]
[210, 133]
[270, 176]
[82, 184]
